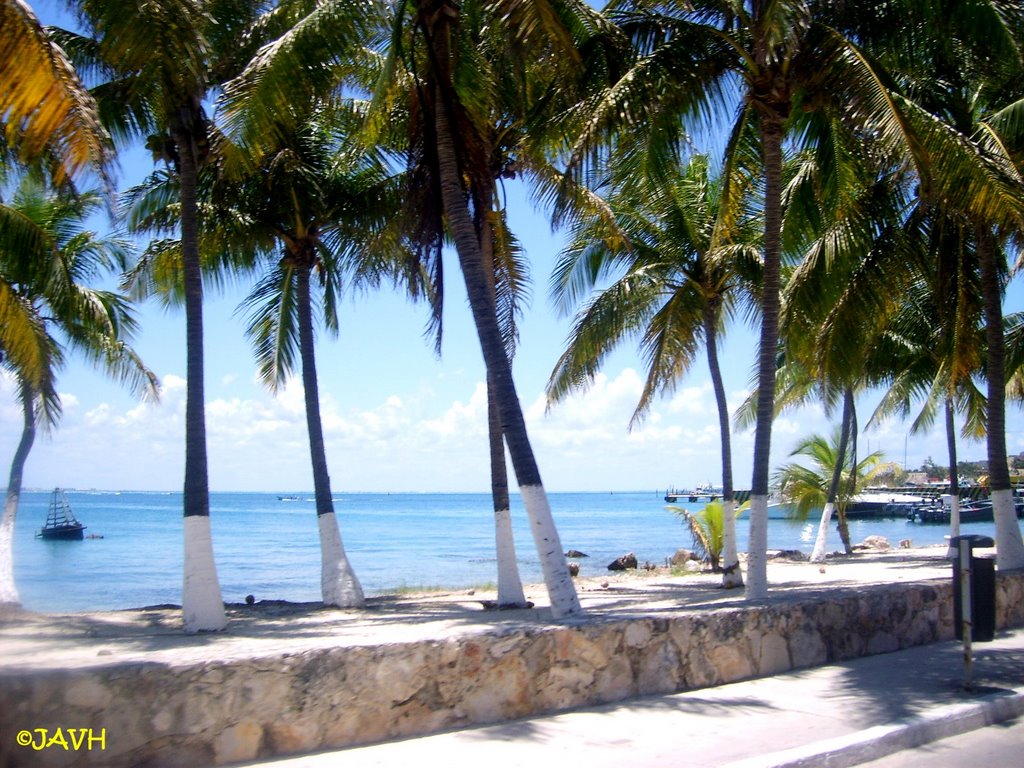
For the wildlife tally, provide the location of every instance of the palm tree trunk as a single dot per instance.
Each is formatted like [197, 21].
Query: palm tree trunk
[8, 589]
[732, 575]
[757, 558]
[562, 592]
[510, 584]
[1009, 543]
[821, 541]
[338, 583]
[851, 490]
[202, 605]
[954, 478]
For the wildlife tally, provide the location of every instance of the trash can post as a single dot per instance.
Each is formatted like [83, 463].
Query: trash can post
[966, 612]
[973, 597]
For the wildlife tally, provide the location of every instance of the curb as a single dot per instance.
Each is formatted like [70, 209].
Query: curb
[881, 740]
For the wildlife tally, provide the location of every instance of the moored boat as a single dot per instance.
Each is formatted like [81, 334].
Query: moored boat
[880, 504]
[703, 492]
[61, 523]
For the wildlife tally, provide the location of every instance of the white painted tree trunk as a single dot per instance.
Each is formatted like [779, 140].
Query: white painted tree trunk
[757, 551]
[338, 583]
[1009, 544]
[8, 590]
[510, 585]
[202, 606]
[821, 541]
[732, 575]
[952, 552]
[561, 590]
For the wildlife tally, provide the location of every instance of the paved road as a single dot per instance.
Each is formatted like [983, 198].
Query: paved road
[997, 746]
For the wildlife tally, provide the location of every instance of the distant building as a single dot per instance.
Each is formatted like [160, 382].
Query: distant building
[917, 478]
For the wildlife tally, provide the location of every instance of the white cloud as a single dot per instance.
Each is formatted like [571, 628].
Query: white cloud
[409, 441]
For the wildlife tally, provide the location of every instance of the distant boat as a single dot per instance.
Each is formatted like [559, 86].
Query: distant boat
[703, 492]
[288, 498]
[970, 512]
[61, 523]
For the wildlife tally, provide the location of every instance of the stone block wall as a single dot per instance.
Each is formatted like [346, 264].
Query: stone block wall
[217, 713]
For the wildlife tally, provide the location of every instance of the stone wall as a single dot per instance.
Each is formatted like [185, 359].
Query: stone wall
[218, 713]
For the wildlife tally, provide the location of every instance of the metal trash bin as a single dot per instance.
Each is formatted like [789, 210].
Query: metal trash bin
[982, 578]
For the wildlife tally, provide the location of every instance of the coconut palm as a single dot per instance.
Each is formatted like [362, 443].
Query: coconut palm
[326, 213]
[292, 67]
[45, 110]
[451, 148]
[708, 530]
[503, 269]
[466, 105]
[47, 257]
[931, 350]
[964, 68]
[159, 61]
[841, 234]
[767, 64]
[311, 218]
[280, 71]
[677, 284]
[437, 89]
[844, 215]
[808, 487]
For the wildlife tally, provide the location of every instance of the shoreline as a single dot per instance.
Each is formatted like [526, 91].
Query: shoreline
[486, 592]
[31, 640]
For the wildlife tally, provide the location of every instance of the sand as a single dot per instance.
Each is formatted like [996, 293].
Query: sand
[71, 640]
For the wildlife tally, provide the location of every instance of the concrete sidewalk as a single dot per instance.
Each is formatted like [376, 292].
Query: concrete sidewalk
[837, 715]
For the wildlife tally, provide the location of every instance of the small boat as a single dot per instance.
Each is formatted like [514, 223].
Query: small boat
[61, 523]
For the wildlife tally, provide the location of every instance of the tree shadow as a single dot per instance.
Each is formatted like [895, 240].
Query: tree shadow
[888, 690]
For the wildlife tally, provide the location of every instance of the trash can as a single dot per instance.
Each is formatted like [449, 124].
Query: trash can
[982, 589]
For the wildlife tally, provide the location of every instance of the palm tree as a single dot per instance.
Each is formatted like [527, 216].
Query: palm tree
[932, 348]
[503, 269]
[46, 111]
[808, 487]
[768, 63]
[270, 86]
[708, 529]
[467, 106]
[46, 257]
[160, 60]
[451, 148]
[313, 216]
[964, 70]
[676, 287]
[329, 212]
[289, 69]
[449, 124]
[844, 216]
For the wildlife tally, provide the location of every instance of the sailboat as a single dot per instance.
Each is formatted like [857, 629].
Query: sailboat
[61, 522]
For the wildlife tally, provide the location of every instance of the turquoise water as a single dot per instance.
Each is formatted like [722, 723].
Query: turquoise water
[269, 548]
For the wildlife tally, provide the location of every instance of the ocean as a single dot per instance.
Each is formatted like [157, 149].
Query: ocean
[268, 547]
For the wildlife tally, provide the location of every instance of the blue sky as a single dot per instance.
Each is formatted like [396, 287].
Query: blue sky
[397, 418]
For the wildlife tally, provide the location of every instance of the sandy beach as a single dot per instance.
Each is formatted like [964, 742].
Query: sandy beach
[267, 628]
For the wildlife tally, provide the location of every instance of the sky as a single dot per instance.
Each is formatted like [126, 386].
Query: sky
[399, 418]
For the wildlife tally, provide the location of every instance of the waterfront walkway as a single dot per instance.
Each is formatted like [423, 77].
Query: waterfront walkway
[840, 715]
